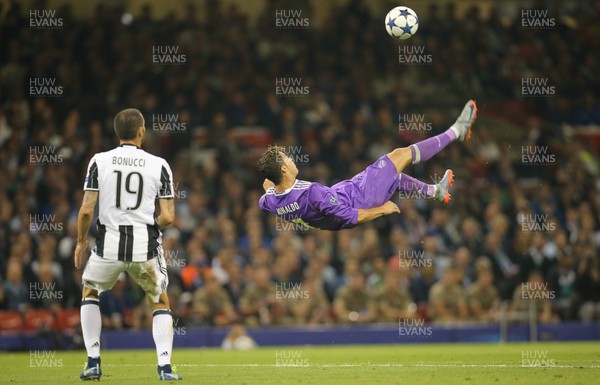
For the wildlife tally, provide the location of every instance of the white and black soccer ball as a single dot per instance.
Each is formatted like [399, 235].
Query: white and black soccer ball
[401, 22]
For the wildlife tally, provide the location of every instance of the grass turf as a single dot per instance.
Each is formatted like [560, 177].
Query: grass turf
[550, 363]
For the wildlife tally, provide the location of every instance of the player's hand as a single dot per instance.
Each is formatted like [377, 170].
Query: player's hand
[267, 184]
[79, 252]
[390, 208]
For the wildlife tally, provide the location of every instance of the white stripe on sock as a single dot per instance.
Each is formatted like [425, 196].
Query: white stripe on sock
[417, 154]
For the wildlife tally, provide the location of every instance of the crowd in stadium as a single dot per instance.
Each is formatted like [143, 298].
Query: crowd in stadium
[513, 233]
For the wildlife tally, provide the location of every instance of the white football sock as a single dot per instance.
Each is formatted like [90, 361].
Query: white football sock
[162, 331]
[91, 325]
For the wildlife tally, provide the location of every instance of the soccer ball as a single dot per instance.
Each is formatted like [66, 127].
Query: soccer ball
[401, 23]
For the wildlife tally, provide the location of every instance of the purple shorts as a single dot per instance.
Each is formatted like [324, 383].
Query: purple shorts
[370, 188]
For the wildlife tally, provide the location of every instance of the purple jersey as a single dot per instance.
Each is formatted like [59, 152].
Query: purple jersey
[310, 203]
[335, 207]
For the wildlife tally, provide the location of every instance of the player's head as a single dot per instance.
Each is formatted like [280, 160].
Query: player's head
[129, 125]
[275, 165]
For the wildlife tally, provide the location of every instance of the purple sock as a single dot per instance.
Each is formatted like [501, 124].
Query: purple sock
[426, 149]
[408, 183]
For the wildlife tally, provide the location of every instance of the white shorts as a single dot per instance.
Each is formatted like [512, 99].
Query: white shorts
[101, 274]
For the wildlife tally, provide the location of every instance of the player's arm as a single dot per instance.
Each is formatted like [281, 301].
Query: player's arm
[84, 221]
[167, 213]
[366, 215]
[166, 196]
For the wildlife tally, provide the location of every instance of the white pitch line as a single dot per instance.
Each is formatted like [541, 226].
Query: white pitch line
[355, 365]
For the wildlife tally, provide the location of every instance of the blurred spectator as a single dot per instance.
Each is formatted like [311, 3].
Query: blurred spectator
[421, 283]
[535, 296]
[15, 294]
[393, 301]
[462, 261]
[562, 279]
[447, 301]
[535, 258]
[588, 289]
[352, 303]
[236, 284]
[194, 274]
[258, 299]
[211, 305]
[238, 339]
[483, 298]
[505, 270]
[312, 307]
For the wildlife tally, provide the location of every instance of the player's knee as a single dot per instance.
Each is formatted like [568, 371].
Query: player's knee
[90, 293]
[163, 302]
[401, 157]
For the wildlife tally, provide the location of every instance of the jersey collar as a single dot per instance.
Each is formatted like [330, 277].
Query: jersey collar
[129, 145]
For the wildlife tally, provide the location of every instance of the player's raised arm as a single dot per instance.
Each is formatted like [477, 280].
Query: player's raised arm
[366, 215]
[84, 221]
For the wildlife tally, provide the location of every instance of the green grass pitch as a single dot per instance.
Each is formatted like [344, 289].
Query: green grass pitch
[539, 363]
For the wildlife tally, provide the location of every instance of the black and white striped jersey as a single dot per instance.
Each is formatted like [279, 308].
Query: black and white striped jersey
[128, 181]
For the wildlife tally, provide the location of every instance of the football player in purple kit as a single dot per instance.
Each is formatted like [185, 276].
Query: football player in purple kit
[364, 197]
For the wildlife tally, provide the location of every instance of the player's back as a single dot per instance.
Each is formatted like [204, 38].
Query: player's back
[309, 203]
[128, 180]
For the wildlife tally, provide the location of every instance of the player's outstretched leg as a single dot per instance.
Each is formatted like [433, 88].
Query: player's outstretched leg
[460, 130]
[438, 191]
[91, 325]
[162, 332]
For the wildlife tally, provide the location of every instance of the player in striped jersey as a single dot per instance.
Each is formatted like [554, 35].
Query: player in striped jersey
[126, 181]
[364, 197]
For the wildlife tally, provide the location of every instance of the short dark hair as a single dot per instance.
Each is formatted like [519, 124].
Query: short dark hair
[270, 162]
[127, 123]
